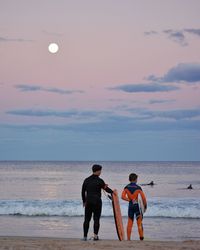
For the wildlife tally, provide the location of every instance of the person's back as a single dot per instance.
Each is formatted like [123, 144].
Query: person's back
[93, 185]
[130, 194]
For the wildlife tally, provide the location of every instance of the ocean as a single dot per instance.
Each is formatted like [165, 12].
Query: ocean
[43, 198]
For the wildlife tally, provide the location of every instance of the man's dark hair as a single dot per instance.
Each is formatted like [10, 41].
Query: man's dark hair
[133, 177]
[96, 168]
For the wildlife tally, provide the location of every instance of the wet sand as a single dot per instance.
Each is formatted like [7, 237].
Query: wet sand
[30, 243]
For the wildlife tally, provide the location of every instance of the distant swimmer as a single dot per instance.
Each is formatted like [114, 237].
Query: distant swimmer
[190, 187]
[149, 184]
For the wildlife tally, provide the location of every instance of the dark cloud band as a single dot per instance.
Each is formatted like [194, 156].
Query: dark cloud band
[136, 88]
[5, 39]
[32, 88]
[134, 114]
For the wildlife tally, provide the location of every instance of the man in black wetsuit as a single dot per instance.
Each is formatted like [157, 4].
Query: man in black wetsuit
[91, 196]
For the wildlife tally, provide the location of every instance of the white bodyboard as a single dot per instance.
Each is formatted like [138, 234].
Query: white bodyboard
[141, 204]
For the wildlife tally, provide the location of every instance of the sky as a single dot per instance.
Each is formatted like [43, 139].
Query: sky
[124, 85]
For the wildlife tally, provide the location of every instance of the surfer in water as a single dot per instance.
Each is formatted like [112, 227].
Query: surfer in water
[190, 186]
[91, 196]
[130, 194]
[149, 184]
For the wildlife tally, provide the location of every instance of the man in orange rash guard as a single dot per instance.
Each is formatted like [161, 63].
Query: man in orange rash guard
[130, 194]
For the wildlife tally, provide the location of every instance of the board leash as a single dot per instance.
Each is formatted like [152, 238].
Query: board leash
[109, 197]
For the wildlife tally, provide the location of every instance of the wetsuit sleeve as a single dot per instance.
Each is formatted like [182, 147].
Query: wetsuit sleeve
[83, 191]
[124, 195]
[106, 188]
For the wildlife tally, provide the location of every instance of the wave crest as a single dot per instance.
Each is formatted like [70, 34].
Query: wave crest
[174, 208]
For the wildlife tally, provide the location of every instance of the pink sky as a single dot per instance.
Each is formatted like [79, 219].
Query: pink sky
[102, 45]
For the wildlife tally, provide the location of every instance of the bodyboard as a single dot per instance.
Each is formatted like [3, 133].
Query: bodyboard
[141, 205]
[118, 216]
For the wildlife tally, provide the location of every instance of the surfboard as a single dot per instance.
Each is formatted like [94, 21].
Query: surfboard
[117, 216]
[141, 204]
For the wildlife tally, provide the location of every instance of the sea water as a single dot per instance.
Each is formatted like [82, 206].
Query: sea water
[44, 198]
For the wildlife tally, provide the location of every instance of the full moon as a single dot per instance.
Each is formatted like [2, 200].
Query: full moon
[53, 48]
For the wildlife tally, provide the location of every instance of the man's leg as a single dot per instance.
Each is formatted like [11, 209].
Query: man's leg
[130, 222]
[88, 215]
[140, 227]
[96, 217]
[129, 228]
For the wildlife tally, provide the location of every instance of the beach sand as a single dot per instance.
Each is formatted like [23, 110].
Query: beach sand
[30, 243]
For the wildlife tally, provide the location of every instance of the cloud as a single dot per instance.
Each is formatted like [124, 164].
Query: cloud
[193, 31]
[183, 72]
[118, 125]
[45, 113]
[149, 87]
[5, 39]
[110, 121]
[181, 114]
[149, 33]
[25, 88]
[176, 36]
[32, 88]
[154, 101]
[59, 113]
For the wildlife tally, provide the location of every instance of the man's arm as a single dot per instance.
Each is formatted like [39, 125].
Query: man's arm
[124, 196]
[83, 192]
[107, 189]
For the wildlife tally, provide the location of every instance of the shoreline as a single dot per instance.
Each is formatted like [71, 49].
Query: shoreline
[71, 228]
[42, 243]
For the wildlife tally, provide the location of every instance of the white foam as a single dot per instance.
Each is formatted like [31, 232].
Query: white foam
[174, 208]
